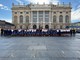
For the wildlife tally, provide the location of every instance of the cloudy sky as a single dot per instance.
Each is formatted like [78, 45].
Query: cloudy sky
[5, 7]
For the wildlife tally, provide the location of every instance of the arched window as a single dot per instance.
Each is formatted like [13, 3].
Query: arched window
[34, 27]
[15, 19]
[21, 19]
[46, 27]
[27, 19]
[67, 19]
[54, 18]
[60, 18]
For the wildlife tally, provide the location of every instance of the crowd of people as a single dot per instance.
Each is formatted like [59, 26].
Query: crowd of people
[37, 32]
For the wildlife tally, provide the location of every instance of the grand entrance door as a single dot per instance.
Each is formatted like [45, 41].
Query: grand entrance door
[46, 27]
[34, 27]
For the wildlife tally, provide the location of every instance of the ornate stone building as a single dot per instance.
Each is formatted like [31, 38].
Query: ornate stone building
[34, 16]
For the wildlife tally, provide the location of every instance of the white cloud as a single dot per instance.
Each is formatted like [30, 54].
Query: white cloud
[7, 20]
[4, 7]
[78, 6]
[55, 1]
[20, 2]
[43, 1]
[75, 15]
[1, 5]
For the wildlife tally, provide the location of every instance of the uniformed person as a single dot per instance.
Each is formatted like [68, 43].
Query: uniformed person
[71, 32]
[2, 32]
[59, 32]
[74, 32]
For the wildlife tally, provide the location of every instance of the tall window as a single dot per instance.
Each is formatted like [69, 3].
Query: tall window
[46, 16]
[60, 18]
[34, 16]
[21, 19]
[46, 12]
[27, 19]
[15, 19]
[67, 19]
[54, 18]
[40, 16]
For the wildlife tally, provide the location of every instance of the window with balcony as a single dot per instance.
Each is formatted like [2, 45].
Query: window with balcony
[67, 19]
[15, 19]
[21, 19]
[27, 19]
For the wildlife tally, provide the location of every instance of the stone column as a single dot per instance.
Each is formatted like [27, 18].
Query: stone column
[37, 19]
[58, 26]
[28, 26]
[64, 19]
[24, 21]
[57, 16]
[18, 17]
[69, 16]
[63, 16]
[43, 19]
[29, 16]
[50, 19]
[31, 21]
[18, 25]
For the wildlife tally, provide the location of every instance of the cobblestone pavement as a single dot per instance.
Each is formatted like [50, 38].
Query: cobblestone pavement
[40, 48]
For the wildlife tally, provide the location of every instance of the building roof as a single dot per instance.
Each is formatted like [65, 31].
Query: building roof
[30, 6]
[76, 23]
[3, 22]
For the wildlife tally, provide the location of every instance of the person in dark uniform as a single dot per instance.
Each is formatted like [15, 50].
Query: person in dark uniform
[71, 32]
[74, 32]
[5, 32]
[59, 32]
[2, 32]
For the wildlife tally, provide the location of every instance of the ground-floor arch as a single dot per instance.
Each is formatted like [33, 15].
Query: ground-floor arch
[34, 27]
[46, 26]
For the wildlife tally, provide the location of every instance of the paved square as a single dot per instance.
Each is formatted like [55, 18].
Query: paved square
[40, 48]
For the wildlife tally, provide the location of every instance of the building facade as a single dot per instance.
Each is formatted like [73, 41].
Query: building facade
[75, 25]
[45, 16]
[6, 25]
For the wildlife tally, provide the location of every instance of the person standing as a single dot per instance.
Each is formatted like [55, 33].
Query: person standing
[74, 32]
[71, 32]
[59, 32]
[2, 32]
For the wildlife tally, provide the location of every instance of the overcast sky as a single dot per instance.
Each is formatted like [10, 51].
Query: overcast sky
[6, 14]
